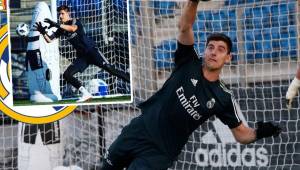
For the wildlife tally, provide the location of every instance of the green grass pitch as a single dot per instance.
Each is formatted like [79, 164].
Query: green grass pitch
[73, 101]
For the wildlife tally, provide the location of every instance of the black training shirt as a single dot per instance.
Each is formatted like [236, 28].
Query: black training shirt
[185, 101]
[78, 39]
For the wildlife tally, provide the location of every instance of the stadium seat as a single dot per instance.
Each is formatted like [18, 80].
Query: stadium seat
[249, 47]
[266, 9]
[293, 43]
[283, 20]
[164, 8]
[216, 26]
[199, 25]
[224, 14]
[284, 44]
[293, 54]
[275, 33]
[216, 15]
[249, 36]
[132, 12]
[268, 29]
[283, 9]
[276, 45]
[266, 34]
[208, 15]
[258, 46]
[257, 12]
[137, 6]
[292, 7]
[120, 6]
[266, 47]
[201, 15]
[164, 53]
[275, 10]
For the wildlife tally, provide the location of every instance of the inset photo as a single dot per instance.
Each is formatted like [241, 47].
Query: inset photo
[67, 52]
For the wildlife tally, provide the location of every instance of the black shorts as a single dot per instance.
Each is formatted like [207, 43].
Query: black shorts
[133, 149]
[79, 64]
[93, 56]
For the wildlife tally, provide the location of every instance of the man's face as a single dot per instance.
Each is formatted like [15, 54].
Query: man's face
[64, 16]
[216, 55]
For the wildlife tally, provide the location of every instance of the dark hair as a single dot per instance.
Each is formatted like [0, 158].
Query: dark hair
[63, 7]
[220, 37]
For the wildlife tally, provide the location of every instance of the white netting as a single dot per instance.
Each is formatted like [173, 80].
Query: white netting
[105, 22]
[8, 143]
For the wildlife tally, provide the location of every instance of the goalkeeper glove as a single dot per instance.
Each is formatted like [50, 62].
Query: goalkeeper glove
[51, 23]
[267, 129]
[292, 91]
[39, 27]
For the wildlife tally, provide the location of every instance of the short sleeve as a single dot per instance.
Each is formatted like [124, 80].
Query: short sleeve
[184, 53]
[230, 116]
[76, 22]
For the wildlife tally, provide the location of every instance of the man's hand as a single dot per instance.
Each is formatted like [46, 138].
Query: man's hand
[51, 23]
[39, 27]
[267, 129]
[292, 91]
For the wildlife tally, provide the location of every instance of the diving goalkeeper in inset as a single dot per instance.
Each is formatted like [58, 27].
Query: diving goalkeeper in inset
[87, 53]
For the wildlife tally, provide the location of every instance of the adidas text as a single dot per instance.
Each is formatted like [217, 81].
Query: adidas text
[222, 155]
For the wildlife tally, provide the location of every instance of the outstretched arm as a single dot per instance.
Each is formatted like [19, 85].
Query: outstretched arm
[42, 29]
[246, 135]
[47, 38]
[242, 133]
[69, 28]
[293, 88]
[185, 25]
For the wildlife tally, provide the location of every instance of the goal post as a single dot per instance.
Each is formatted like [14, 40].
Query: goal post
[42, 60]
[53, 8]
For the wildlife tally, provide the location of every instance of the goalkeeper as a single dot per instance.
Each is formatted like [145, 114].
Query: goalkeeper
[87, 53]
[293, 89]
[191, 95]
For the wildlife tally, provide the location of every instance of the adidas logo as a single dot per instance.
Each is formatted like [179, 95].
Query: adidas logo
[220, 149]
[194, 82]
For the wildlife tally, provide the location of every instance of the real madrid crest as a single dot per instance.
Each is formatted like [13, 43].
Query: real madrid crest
[34, 114]
[210, 104]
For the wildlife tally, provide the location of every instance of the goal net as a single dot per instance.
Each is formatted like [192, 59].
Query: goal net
[105, 22]
[265, 52]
